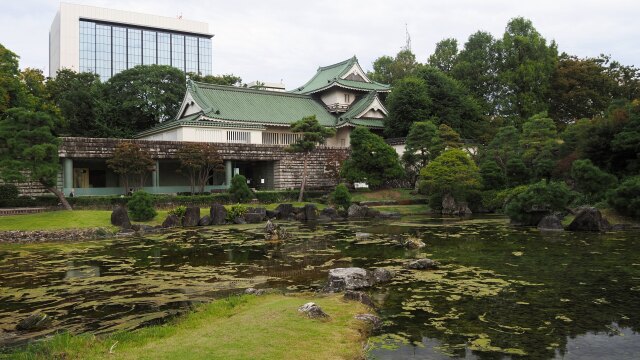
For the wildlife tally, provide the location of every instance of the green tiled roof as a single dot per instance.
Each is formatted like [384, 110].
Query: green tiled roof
[356, 109]
[257, 106]
[329, 76]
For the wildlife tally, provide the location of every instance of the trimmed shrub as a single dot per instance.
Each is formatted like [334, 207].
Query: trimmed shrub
[235, 211]
[492, 175]
[178, 211]
[239, 189]
[538, 200]
[141, 206]
[590, 180]
[341, 196]
[625, 199]
[9, 192]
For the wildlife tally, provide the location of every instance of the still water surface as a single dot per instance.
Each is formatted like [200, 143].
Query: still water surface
[501, 292]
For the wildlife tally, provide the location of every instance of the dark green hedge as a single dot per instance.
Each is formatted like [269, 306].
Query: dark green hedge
[106, 202]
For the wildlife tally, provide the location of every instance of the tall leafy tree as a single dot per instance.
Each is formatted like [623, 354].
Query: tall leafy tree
[29, 149]
[445, 55]
[372, 160]
[540, 143]
[199, 161]
[79, 98]
[388, 70]
[142, 97]
[580, 88]
[132, 163]
[12, 91]
[476, 67]
[527, 63]
[225, 79]
[312, 134]
[451, 103]
[408, 102]
[422, 146]
[448, 138]
[452, 173]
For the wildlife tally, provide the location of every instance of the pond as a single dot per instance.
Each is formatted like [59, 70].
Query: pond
[501, 292]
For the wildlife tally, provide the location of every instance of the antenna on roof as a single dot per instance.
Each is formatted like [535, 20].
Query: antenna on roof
[407, 45]
[180, 16]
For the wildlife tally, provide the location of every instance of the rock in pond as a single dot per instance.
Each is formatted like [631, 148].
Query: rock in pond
[205, 221]
[360, 212]
[310, 212]
[120, 217]
[171, 221]
[452, 207]
[284, 211]
[382, 275]
[589, 219]
[313, 311]
[239, 220]
[37, 321]
[349, 279]
[253, 218]
[254, 291]
[191, 216]
[360, 297]
[550, 223]
[413, 242]
[218, 214]
[423, 264]
[369, 318]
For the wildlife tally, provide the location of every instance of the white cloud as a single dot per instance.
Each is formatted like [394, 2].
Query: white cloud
[285, 39]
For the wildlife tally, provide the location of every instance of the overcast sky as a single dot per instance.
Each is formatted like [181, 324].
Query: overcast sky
[270, 40]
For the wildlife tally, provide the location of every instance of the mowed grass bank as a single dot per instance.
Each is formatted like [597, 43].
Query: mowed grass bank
[242, 327]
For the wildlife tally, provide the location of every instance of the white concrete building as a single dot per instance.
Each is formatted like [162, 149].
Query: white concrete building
[106, 41]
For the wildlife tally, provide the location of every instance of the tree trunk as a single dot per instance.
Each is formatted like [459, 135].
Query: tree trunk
[304, 179]
[60, 195]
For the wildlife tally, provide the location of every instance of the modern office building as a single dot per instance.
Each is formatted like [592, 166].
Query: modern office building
[106, 41]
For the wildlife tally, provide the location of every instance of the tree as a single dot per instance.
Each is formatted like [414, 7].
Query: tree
[539, 199]
[29, 149]
[78, 96]
[590, 180]
[445, 55]
[493, 177]
[476, 68]
[626, 197]
[580, 88]
[372, 160]
[142, 97]
[539, 142]
[388, 70]
[451, 103]
[526, 66]
[341, 196]
[199, 161]
[312, 134]
[407, 103]
[422, 146]
[141, 206]
[12, 91]
[132, 163]
[449, 138]
[452, 173]
[504, 146]
[239, 190]
[225, 79]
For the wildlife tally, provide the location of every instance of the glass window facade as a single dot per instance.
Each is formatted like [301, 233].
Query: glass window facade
[107, 49]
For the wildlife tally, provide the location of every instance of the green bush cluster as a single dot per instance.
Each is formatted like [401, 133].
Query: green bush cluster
[235, 211]
[239, 190]
[625, 199]
[8, 192]
[341, 196]
[539, 199]
[141, 206]
[178, 211]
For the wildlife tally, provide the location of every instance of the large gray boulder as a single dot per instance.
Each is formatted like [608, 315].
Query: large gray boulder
[310, 212]
[371, 319]
[550, 223]
[260, 211]
[356, 211]
[120, 217]
[284, 211]
[171, 221]
[205, 221]
[360, 297]
[253, 218]
[352, 278]
[312, 311]
[218, 214]
[191, 216]
[452, 207]
[589, 219]
[382, 275]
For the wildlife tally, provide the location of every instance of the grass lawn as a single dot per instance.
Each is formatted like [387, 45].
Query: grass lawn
[244, 327]
[58, 220]
[387, 194]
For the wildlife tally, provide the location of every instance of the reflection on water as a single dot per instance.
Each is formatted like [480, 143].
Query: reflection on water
[500, 292]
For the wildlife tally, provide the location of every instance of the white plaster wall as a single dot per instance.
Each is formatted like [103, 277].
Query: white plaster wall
[343, 133]
[66, 24]
[399, 149]
[373, 114]
[336, 95]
